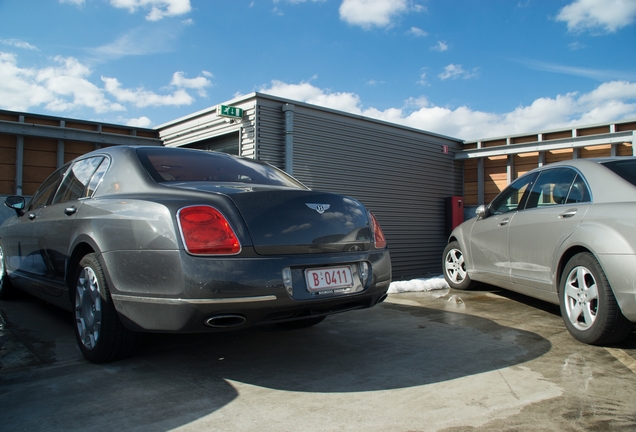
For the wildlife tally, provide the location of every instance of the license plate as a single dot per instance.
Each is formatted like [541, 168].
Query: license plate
[329, 278]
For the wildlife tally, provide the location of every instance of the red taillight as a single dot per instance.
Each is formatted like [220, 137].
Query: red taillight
[205, 231]
[378, 235]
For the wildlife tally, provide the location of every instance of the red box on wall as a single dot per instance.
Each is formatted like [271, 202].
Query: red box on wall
[454, 207]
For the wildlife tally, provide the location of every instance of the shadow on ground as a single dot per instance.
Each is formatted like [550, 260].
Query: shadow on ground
[174, 379]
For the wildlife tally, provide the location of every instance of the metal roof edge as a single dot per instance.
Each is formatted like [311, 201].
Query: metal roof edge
[57, 132]
[259, 95]
[556, 144]
[357, 116]
[205, 111]
[74, 120]
[548, 131]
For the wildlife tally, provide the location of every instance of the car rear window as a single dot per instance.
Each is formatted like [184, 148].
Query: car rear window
[187, 165]
[624, 168]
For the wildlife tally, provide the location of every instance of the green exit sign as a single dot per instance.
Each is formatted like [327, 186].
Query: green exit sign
[229, 111]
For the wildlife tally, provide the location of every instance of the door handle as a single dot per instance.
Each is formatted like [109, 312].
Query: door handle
[70, 210]
[568, 213]
[504, 222]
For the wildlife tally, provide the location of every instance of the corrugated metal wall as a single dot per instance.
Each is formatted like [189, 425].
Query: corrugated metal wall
[270, 131]
[402, 175]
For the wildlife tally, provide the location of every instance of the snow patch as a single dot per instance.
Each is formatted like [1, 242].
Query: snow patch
[417, 285]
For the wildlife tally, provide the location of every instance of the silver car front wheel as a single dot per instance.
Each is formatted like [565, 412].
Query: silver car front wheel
[588, 306]
[454, 266]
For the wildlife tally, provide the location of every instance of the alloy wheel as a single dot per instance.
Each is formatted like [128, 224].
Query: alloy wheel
[581, 298]
[88, 308]
[454, 266]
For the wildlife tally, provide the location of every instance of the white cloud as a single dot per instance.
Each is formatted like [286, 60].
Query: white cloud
[78, 3]
[159, 9]
[419, 102]
[422, 81]
[609, 91]
[18, 88]
[199, 83]
[143, 122]
[142, 98]
[65, 86]
[69, 83]
[575, 46]
[418, 32]
[18, 44]
[608, 15]
[453, 71]
[372, 13]
[441, 46]
[610, 101]
[597, 74]
[308, 93]
[138, 41]
[60, 87]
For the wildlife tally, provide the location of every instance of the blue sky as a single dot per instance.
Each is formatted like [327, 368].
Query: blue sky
[464, 68]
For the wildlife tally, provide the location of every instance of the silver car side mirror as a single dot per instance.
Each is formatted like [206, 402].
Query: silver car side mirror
[481, 211]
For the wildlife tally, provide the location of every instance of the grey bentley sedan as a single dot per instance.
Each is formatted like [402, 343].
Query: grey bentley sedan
[564, 233]
[134, 239]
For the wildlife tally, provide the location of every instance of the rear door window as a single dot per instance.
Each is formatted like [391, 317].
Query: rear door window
[551, 188]
[74, 185]
[47, 189]
[97, 177]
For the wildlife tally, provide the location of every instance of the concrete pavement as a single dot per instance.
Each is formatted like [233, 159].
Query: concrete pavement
[438, 361]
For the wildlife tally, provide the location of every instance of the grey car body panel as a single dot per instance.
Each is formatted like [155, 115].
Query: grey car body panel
[536, 237]
[527, 254]
[237, 280]
[293, 226]
[130, 223]
[489, 247]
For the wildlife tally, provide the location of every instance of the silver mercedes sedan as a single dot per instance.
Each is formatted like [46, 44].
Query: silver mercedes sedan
[563, 233]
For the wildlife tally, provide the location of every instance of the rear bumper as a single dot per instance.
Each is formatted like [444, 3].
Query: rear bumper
[183, 293]
[205, 315]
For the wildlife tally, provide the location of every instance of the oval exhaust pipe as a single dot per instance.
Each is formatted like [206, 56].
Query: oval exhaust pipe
[225, 321]
[381, 299]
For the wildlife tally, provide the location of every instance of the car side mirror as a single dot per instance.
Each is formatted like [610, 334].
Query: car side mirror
[482, 211]
[17, 203]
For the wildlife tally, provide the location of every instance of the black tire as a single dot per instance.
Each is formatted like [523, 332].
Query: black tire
[455, 268]
[100, 333]
[7, 290]
[588, 306]
[302, 323]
